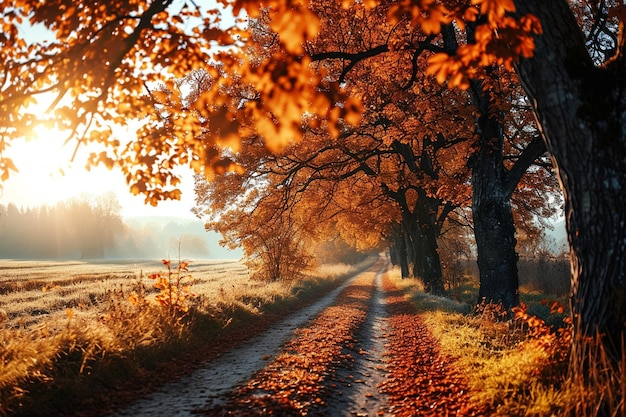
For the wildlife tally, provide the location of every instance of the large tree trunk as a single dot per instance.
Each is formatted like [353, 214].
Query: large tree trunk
[422, 222]
[582, 112]
[426, 209]
[413, 249]
[494, 228]
[399, 252]
[433, 277]
[426, 262]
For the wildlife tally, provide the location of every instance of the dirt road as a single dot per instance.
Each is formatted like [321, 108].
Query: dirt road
[210, 385]
[355, 390]
[360, 351]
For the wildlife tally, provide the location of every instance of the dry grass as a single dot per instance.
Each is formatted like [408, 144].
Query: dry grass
[69, 325]
[519, 369]
[32, 292]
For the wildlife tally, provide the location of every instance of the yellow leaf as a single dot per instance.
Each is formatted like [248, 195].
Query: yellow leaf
[133, 298]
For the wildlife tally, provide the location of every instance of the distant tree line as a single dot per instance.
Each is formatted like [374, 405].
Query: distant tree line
[92, 228]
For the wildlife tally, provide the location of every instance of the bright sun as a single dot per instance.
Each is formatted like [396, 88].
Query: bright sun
[46, 171]
[47, 176]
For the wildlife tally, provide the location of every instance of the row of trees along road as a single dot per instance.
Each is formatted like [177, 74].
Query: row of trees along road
[329, 116]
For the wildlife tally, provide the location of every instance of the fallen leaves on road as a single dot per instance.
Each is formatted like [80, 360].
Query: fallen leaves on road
[422, 381]
[292, 384]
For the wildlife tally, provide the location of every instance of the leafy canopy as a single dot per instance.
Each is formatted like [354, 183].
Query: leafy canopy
[116, 62]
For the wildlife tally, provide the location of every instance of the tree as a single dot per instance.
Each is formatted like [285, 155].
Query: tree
[384, 150]
[100, 59]
[494, 177]
[103, 56]
[581, 108]
[181, 132]
[275, 240]
[499, 159]
[79, 227]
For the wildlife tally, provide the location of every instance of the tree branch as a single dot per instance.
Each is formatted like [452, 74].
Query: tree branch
[534, 150]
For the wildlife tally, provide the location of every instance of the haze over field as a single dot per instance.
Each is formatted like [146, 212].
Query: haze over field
[47, 177]
[147, 232]
[146, 237]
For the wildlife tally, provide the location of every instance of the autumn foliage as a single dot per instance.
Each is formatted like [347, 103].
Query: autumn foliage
[293, 383]
[109, 64]
[174, 287]
[247, 93]
[322, 115]
[422, 380]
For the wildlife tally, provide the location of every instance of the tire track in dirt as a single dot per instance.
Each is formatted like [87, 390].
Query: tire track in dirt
[210, 385]
[366, 353]
[355, 391]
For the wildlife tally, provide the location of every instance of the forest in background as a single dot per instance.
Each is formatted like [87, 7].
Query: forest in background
[93, 228]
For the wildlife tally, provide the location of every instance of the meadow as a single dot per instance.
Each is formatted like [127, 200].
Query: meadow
[35, 293]
[70, 330]
[82, 335]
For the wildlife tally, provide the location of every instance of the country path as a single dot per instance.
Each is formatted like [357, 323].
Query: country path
[332, 367]
[355, 388]
[362, 351]
[209, 385]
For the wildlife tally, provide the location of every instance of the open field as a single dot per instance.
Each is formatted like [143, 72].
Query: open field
[80, 337]
[32, 292]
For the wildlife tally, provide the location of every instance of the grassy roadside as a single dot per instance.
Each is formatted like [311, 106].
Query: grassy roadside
[422, 380]
[79, 365]
[519, 366]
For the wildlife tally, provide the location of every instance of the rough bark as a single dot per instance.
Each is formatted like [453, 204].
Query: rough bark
[399, 252]
[426, 263]
[494, 228]
[422, 221]
[426, 210]
[421, 238]
[581, 110]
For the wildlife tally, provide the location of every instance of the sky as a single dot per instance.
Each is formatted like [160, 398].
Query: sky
[47, 175]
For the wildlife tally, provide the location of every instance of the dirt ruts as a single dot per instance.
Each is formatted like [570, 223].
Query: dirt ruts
[297, 382]
[355, 387]
[210, 384]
